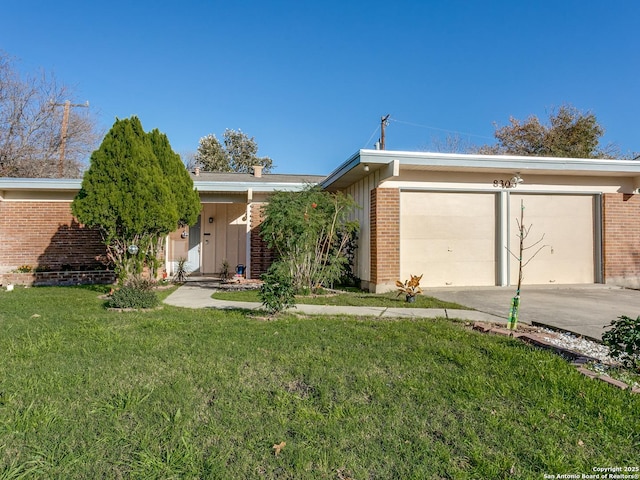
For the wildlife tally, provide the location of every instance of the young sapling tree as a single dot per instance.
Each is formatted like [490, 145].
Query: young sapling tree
[523, 234]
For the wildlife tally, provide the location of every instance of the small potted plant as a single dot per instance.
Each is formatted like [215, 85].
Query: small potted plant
[410, 288]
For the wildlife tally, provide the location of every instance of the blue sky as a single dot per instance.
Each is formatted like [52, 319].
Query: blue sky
[310, 80]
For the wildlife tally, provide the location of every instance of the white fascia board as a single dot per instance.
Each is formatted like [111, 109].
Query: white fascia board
[74, 184]
[345, 167]
[510, 162]
[229, 187]
[456, 161]
[40, 183]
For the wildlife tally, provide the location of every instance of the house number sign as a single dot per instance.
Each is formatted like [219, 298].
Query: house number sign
[504, 184]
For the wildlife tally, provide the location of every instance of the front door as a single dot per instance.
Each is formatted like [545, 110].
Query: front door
[193, 259]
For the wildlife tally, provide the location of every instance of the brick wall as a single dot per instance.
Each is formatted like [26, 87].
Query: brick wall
[621, 239]
[58, 278]
[385, 237]
[261, 256]
[45, 234]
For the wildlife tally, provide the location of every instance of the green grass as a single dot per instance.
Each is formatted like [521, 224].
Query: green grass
[181, 393]
[356, 299]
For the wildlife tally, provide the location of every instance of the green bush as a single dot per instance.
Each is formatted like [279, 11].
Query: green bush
[312, 235]
[181, 272]
[623, 341]
[131, 296]
[276, 293]
[140, 283]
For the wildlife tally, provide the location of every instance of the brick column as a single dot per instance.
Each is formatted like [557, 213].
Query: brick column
[621, 239]
[385, 238]
[261, 256]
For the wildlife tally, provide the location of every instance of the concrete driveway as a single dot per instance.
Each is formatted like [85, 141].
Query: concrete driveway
[583, 309]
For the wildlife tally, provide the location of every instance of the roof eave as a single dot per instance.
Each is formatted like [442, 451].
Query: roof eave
[500, 161]
[60, 184]
[455, 161]
[241, 187]
[74, 184]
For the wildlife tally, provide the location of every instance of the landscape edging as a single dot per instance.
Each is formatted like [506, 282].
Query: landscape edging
[577, 359]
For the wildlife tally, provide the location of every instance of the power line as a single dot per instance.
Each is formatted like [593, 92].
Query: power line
[440, 129]
[374, 132]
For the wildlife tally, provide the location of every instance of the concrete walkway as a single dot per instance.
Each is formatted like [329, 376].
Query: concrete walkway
[199, 296]
[586, 310]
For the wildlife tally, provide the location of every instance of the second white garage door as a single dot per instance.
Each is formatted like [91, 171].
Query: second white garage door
[567, 223]
[448, 237]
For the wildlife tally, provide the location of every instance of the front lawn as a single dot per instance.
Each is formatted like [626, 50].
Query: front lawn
[182, 393]
[356, 299]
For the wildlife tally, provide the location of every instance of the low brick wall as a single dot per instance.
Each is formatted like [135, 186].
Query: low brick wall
[103, 277]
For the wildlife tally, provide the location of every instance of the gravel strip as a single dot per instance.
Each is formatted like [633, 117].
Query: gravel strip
[578, 344]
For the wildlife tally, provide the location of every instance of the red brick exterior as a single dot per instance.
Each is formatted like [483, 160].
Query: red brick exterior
[385, 236]
[261, 256]
[59, 278]
[621, 239]
[45, 234]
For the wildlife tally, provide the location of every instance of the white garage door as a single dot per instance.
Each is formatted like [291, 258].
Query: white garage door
[448, 237]
[567, 223]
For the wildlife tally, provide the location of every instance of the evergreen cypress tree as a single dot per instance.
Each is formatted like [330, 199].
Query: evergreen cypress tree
[133, 197]
[186, 198]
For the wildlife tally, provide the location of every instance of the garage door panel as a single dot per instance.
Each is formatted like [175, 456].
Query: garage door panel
[562, 272]
[454, 274]
[567, 224]
[446, 250]
[435, 227]
[450, 237]
[413, 203]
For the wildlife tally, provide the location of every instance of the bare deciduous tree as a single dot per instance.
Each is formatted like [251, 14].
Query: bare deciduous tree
[31, 114]
[189, 160]
[452, 143]
[568, 133]
[523, 233]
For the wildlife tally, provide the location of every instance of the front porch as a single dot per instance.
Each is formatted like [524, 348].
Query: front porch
[220, 236]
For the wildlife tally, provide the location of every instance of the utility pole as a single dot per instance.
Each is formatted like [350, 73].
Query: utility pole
[63, 130]
[384, 121]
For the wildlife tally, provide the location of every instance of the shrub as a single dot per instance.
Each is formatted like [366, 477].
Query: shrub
[410, 288]
[181, 271]
[349, 278]
[141, 283]
[623, 341]
[276, 293]
[225, 274]
[134, 295]
[134, 193]
[310, 231]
